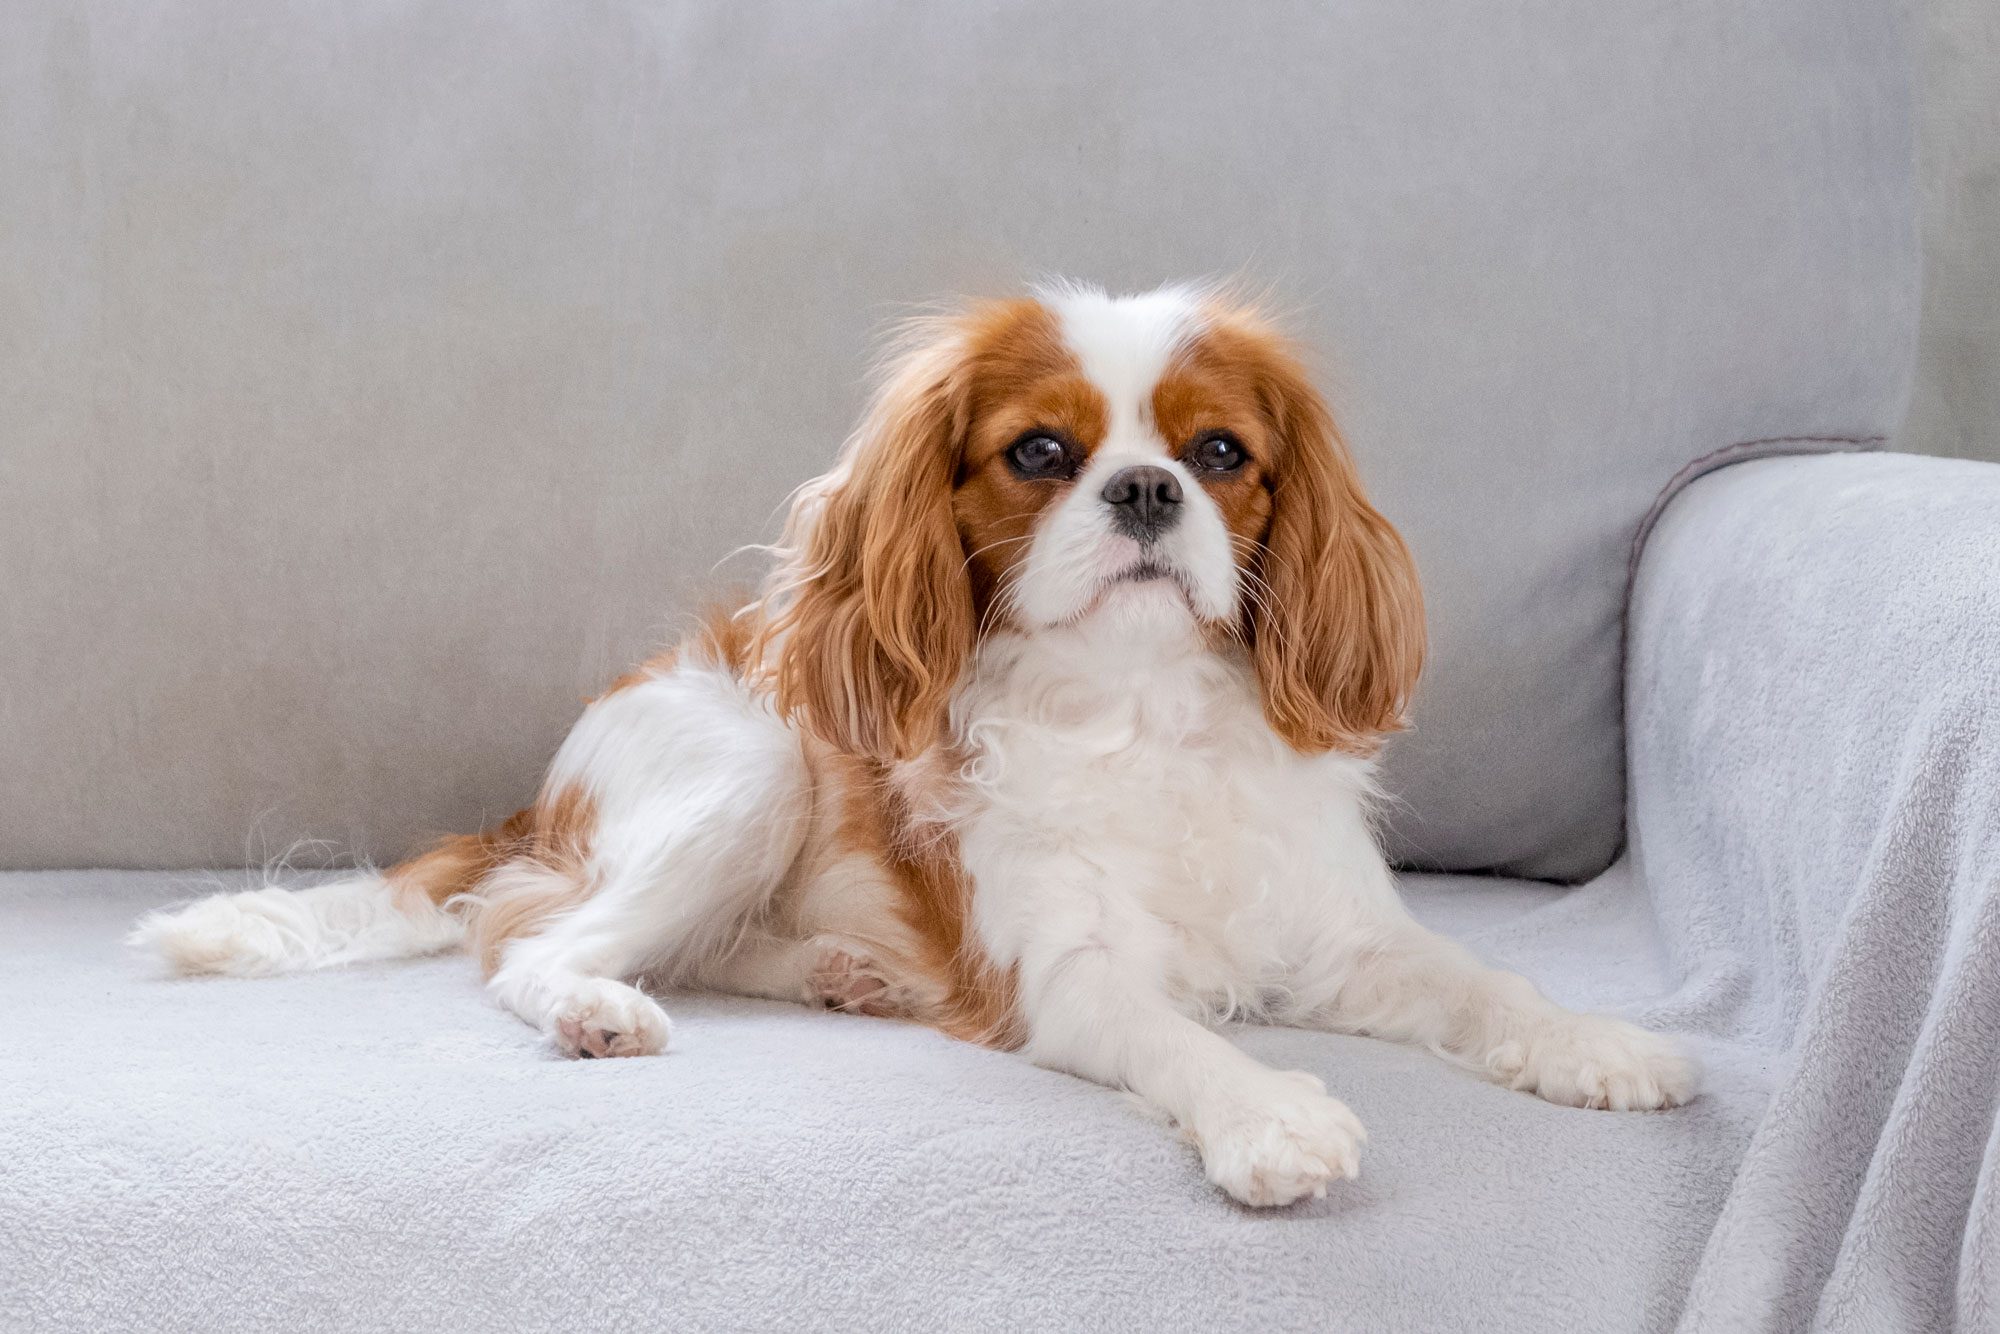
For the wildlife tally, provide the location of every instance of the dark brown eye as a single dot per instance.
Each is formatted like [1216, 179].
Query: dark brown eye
[1040, 456]
[1216, 452]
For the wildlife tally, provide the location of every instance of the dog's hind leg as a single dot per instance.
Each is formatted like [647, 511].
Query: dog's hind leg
[693, 800]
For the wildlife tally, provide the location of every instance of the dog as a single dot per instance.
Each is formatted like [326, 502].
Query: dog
[1052, 727]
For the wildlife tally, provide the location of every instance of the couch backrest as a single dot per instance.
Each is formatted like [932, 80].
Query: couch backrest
[379, 379]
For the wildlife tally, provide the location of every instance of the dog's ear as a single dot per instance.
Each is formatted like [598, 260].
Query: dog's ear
[1337, 630]
[876, 624]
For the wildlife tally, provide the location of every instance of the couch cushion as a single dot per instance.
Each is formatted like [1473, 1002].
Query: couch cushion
[381, 379]
[383, 1148]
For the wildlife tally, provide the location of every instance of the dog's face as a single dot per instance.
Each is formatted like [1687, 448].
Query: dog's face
[1113, 465]
[1145, 463]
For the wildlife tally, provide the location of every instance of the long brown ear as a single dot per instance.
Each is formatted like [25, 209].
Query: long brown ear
[874, 620]
[1338, 629]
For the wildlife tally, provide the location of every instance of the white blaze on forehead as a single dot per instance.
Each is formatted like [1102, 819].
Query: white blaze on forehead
[1124, 344]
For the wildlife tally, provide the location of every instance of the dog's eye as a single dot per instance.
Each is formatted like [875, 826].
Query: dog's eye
[1216, 452]
[1040, 456]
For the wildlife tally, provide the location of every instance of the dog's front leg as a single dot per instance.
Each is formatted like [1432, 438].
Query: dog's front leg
[1093, 989]
[1385, 976]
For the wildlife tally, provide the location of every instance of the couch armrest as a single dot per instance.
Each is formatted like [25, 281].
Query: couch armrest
[1813, 733]
[1812, 703]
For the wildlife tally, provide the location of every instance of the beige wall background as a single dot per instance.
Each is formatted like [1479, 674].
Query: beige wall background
[1955, 407]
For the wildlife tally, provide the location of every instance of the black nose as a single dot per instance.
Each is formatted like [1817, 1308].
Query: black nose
[1145, 501]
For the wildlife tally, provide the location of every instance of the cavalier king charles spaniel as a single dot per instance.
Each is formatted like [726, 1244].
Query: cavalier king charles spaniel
[1051, 728]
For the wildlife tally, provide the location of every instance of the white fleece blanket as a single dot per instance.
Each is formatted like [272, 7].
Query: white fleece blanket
[381, 1148]
[1813, 719]
[1811, 893]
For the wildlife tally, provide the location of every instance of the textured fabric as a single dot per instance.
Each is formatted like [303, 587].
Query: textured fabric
[1814, 703]
[1814, 896]
[382, 1148]
[382, 377]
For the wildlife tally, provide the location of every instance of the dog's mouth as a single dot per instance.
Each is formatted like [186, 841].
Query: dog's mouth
[1143, 582]
[1148, 573]
[1145, 571]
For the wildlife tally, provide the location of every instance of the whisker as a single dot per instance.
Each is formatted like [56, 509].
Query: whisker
[995, 546]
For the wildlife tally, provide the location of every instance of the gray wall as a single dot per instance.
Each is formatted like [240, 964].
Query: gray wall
[1955, 408]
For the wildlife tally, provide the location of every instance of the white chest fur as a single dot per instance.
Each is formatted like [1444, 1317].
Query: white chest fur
[1132, 784]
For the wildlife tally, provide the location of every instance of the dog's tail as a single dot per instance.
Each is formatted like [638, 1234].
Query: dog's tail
[413, 908]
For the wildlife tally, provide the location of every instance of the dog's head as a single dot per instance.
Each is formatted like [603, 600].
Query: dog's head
[1143, 461]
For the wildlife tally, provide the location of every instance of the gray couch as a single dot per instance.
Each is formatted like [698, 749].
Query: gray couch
[380, 378]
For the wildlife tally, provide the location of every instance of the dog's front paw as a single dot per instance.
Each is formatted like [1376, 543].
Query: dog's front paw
[606, 1018]
[1593, 1060]
[1280, 1142]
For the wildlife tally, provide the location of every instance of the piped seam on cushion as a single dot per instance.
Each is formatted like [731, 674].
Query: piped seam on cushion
[1743, 451]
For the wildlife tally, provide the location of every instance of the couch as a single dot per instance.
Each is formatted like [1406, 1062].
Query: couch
[382, 378]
